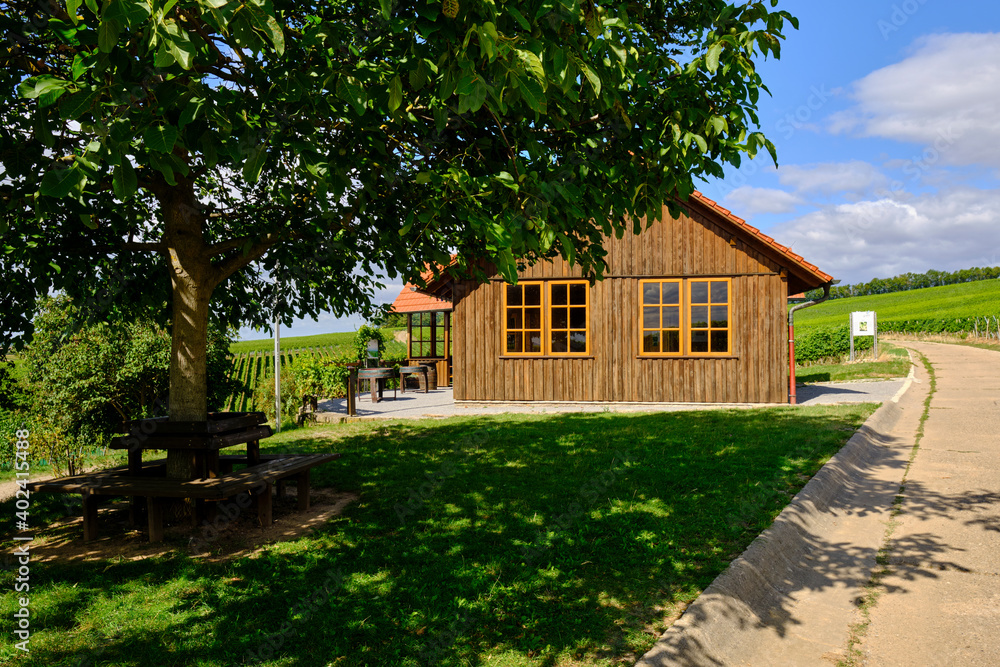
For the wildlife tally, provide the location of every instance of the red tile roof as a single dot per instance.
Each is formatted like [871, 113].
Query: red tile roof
[414, 300]
[796, 261]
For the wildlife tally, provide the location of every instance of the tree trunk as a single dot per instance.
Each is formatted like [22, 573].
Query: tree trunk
[192, 281]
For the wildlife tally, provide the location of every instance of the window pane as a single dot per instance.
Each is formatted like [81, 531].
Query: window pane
[699, 292]
[532, 318]
[720, 316]
[651, 341]
[720, 341]
[671, 293]
[559, 295]
[651, 293]
[514, 342]
[720, 292]
[534, 341]
[533, 295]
[672, 341]
[559, 342]
[577, 318]
[439, 349]
[578, 294]
[439, 319]
[699, 341]
[699, 316]
[514, 295]
[671, 317]
[559, 318]
[514, 318]
[651, 318]
[578, 341]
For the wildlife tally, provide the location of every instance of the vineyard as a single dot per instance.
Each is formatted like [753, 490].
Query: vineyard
[254, 359]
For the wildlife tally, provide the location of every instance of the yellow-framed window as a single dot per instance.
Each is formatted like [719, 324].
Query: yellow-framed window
[569, 317]
[709, 329]
[661, 315]
[523, 319]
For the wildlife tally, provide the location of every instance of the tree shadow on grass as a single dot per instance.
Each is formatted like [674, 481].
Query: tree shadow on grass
[530, 540]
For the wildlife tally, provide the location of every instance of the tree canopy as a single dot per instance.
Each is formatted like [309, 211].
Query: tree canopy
[183, 153]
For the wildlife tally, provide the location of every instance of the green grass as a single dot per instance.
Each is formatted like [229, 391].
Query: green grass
[964, 300]
[518, 540]
[893, 363]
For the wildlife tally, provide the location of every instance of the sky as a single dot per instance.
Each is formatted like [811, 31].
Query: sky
[886, 119]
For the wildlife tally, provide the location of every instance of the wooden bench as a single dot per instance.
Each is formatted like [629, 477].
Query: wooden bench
[257, 479]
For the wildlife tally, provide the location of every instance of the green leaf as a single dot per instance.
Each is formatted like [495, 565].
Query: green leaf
[191, 111]
[349, 91]
[519, 17]
[506, 265]
[37, 86]
[255, 164]
[532, 93]
[77, 104]
[164, 166]
[569, 250]
[592, 77]
[123, 181]
[160, 138]
[61, 182]
[107, 34]
[93, 7]
[386, 8]
[712, 57]
[534, 65]
[215, 4]
[395, 93]
[72, 6]
[88, 222]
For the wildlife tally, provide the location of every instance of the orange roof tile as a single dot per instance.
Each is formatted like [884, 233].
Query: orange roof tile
[796, 261]
[412, 301]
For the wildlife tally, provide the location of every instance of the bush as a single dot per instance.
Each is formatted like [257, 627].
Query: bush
[827, 343]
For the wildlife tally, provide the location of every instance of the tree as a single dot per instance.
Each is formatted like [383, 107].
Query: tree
[87, 383]
[188, 156]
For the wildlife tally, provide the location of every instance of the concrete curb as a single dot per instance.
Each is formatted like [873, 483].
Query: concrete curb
[821, 550]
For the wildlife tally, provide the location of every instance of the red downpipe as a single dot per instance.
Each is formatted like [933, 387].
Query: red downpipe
[791, 338]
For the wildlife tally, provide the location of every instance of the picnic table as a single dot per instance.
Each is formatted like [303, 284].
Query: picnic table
[194, 469]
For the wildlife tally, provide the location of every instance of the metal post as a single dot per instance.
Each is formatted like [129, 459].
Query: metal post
[851, 320]
[277, 376]
[875, 333]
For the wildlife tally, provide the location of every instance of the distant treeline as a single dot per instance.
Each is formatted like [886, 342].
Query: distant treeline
[908, 281]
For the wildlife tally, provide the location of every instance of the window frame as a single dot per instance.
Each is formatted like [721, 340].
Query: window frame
[729, 317]
[642, 317]
[545, 307]
[542, 330]
[685, 328]
[547, 322]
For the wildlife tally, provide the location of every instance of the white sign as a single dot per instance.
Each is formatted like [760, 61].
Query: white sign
[373, 349]
[863, 323]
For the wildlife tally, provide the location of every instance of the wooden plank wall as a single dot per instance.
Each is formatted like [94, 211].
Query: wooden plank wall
[684, 247]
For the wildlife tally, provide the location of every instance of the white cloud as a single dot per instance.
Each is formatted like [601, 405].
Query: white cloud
[829, 178]
[885, 237]
[945, 97]
[748, 201]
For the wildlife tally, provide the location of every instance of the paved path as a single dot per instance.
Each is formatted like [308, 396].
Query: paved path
[791, 597]
[439, 403]
[941, 604]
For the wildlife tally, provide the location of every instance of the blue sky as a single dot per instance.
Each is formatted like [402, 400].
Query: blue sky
[886, 117]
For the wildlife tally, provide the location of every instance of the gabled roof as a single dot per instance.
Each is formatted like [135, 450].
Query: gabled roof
[802, 275]
[434, 297]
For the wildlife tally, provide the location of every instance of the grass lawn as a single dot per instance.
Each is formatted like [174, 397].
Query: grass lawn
[497, 541]
[893, 363]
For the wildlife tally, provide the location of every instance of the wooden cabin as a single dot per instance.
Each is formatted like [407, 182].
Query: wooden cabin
[693, 309]
[428, 325]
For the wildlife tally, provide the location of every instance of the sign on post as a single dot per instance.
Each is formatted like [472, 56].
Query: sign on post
[864, 323]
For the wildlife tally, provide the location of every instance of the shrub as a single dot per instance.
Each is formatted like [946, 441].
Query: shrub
[827, 343]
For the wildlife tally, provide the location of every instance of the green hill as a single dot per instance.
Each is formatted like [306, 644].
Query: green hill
[974, 299]
[345, 340]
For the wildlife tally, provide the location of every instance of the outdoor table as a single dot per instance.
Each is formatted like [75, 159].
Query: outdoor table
[377, 376]
[411, 370]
